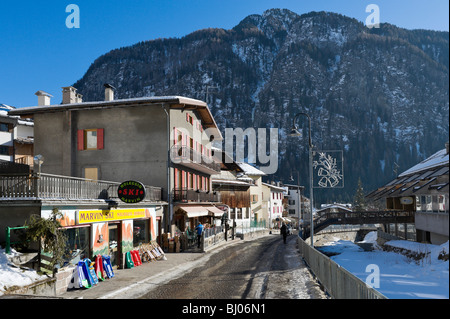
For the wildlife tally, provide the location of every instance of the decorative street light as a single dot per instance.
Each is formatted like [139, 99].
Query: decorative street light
[295, 132]
[38, 160]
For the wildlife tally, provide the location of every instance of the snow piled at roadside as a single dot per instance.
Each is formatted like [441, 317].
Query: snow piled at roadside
[14, 276]
[400, 277]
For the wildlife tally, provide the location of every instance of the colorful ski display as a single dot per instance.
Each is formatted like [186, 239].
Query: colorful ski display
[128, 261]
[107, 267]
[78, 279]
[136, 258]
[99, 268]
[89, 272]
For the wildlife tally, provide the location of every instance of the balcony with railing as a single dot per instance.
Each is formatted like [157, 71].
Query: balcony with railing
[191, 158]
[191, 195]
[48, 186]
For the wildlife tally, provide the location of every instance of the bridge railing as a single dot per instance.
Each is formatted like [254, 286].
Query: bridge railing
[338, 282]
[359, 218]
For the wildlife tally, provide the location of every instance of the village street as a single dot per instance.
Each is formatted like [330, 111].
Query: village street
[263, 268]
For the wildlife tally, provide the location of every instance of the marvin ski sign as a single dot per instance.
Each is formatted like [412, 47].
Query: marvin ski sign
[131, 192]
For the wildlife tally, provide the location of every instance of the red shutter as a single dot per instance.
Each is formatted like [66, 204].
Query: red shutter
[80, 142]
[100, 138]
[183, 179]
[188, 182]
[175, 173]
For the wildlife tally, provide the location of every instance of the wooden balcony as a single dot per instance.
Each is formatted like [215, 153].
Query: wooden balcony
[191, 195]
[48, 186]
[184, 155]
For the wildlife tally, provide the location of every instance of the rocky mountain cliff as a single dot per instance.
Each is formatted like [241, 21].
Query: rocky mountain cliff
[379, 95]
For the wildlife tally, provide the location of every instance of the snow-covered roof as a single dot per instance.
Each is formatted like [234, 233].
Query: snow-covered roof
[250, 170]
[4, 112]
[230, 182]
[334, 206]
[278, 188]
[440, 158]
[4, 109]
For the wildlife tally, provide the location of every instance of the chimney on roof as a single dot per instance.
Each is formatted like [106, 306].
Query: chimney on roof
[109, 92]
[71, 96]
[43, 98]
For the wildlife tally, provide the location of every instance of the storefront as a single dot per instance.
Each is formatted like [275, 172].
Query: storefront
[188, 216]
[113, 231]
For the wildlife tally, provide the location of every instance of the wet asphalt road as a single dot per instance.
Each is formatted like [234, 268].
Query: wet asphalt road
[264, 268]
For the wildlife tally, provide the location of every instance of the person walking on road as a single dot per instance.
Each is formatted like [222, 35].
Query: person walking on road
[199, 230]
[283, 231]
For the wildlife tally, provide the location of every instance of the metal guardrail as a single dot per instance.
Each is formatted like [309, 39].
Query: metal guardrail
[8, 237]
[63, 187]
[338, 282]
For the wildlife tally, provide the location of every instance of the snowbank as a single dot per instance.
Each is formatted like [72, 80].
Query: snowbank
[15, 276]
[400, 277]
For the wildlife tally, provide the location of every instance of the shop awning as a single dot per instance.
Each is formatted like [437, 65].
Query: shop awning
[194, 211]
[216, 212]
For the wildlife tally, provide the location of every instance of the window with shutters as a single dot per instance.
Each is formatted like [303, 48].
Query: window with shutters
[91, 139]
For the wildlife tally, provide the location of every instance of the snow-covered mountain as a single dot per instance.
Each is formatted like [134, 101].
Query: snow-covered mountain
[380, 95]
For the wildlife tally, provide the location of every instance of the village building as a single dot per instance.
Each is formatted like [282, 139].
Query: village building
[273, 196]
[424, 190]
[16, 137]
[234, 189]
[254, 176]
[296, 209]
[89, 148]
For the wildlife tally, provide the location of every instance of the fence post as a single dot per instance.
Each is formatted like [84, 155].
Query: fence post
[8, 240]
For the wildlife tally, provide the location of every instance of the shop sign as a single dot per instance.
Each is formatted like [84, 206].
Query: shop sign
[106, 215]
[131, 192]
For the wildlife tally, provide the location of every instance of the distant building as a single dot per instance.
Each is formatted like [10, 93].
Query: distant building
[423, 189]
[254, 176]
[16, 137]
[296, 203]
[234, 189]
[273, 196]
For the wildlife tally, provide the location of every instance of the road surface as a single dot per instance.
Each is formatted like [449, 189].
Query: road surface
[264, 268]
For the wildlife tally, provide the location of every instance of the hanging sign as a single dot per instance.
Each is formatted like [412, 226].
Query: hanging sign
[131, 192]
[328, 167]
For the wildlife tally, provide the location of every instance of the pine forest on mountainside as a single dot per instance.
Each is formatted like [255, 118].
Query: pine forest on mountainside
[379, 95]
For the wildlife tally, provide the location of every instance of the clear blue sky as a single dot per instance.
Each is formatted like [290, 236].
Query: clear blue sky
[38, 51]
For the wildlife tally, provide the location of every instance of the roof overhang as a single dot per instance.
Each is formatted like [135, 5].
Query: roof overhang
[175, 102]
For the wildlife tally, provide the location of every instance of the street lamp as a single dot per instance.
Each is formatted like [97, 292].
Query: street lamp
[295, 132]
[38, 160]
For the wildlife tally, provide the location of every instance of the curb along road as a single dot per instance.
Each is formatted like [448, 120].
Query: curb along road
[134, 283]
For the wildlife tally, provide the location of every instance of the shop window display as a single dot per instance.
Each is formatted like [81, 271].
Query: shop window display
[77, 245]
[140, 232]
